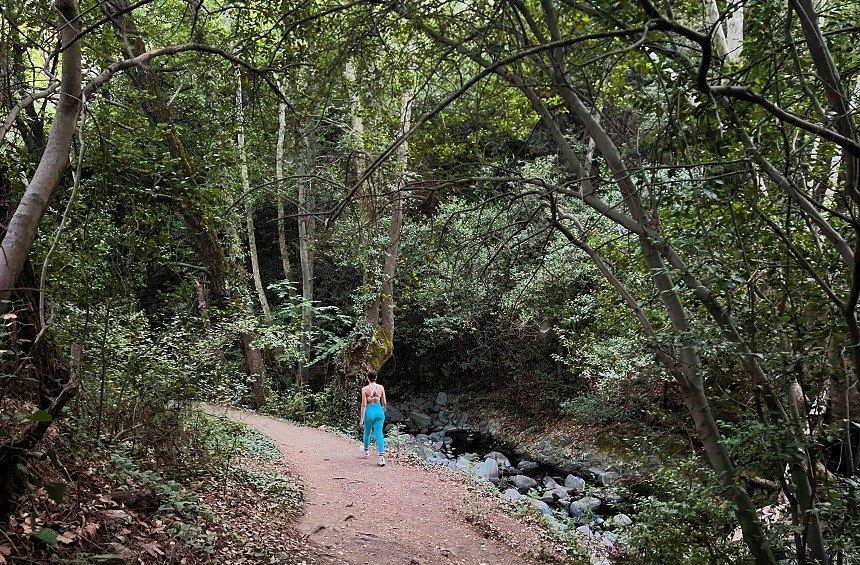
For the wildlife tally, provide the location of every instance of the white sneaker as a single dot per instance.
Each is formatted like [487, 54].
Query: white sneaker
[382, 461]
[364, 452]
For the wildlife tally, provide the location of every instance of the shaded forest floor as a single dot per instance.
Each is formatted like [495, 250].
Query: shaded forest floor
[106, 506]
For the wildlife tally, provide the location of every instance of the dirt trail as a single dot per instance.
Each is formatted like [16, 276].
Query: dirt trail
[360, 513]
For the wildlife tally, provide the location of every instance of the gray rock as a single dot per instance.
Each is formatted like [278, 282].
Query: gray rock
[464, 419]
[422, 421]
[576, 485]
[394, 415]
[547, 498]
[527, 467]
[584, 530]
[609, 540]
[500, 458]
[540, 506]
[489, 470]
[441, 399]
[463, 464]
[560, 493]
[618, 521]
[549, 483]
[523, 483]
[437, 459]
[422, 438]
[606, 478]
[512, 494]
[577, 515]
[587, 503]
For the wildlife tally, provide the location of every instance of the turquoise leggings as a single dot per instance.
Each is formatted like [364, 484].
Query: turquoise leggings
[374, 418]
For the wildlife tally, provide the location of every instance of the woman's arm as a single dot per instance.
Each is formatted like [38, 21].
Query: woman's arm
[363, 406]
[384, 399]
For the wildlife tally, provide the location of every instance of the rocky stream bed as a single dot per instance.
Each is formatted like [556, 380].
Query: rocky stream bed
[585, 493]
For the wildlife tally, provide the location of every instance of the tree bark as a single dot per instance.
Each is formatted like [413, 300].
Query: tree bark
[22, 228]
[247, 199]
[281, 191]
[307, 241]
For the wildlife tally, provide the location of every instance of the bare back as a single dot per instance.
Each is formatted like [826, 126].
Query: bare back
[373, 394]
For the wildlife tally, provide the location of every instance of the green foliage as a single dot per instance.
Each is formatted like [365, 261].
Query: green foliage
[686, 520]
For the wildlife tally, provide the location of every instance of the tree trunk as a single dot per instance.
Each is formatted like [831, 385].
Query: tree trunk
[307, 241]
[246, 197]
[281, 190]
[22, 228]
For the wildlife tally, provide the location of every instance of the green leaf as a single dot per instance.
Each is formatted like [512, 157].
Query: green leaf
[40, 416]
[56, 491]
[48, 536]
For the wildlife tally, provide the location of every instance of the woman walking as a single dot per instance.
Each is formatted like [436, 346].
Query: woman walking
[372, 418]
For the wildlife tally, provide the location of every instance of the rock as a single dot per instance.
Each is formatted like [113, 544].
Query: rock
[441, 399]
[587, 503]
[609, 540]
[540, 506]
[500, 458]
[489, 470]
[549, 483]
[437, 459]
[394, 415]
[576, 485]
[422, 438]
[512, 494]
[618, 521]
[577, 515]
[421, 420]
[584, 530]
[510, 471]
[560, 493]
[523, 483]
[463, 464]
[606, 478]
[547, 497]
[527, 467]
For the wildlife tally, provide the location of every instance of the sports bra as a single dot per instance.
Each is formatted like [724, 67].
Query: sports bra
[372, 395]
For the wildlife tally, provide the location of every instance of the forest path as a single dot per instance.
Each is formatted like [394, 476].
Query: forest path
[360, 513]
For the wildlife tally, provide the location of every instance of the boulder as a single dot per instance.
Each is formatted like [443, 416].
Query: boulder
[584, 530]
[394, 415]
[560, 493]
[441, 399]
[576, 485]
[540, 506]
[618, 521]
[547, 497]
[422, 438]
[549, 483]
[523, 483]
[526, 467]
[512, 494]
[609, 540]
[606, 478]
[587, 503]
[500, 458]
[489, 470]
[437, 459]
[463, 464]
[578, 515]
[421, 420]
